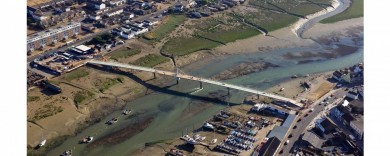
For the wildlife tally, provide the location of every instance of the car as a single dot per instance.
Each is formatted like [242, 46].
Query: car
[299, 120]
[295, 127]
[286, 142]
[290, 136]
[306, 115]
[311, 110]
[281, 151]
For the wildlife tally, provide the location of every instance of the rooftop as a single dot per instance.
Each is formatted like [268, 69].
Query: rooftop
[359, 122]
[278, 131]
[83, 48]
[313, 139]
[270, 147]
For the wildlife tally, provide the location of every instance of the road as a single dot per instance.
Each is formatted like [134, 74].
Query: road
[90, 36]
[305, 121]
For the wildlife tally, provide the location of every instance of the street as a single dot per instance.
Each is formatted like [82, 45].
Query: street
[305, 121]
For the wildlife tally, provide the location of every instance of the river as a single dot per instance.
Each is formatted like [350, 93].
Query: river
[172, 110]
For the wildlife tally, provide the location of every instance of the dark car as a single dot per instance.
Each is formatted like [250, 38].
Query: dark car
[281, 151]
[299, 120]
[295, 127]
[306, 115]
[290, 136]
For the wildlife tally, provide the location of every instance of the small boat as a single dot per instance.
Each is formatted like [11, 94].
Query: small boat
[112, 121]
[191, 141]
[214, 141]
[126, 112]
[67, 153]
[209, 126]
[43, 142]
[87, 139]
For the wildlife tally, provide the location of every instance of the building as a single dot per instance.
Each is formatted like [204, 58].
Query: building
[310, 139]
[114, 12]
[117, 2]
[353, 95]
[81, 49]
[96, 5]
[357, 127]
[127, 35]
[270, 148]
[325, 125]
[52, 36]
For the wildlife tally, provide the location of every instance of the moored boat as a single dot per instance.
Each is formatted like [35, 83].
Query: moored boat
[87, 139]
[112, 121]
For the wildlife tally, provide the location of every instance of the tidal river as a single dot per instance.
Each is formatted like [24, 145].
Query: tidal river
[180, 109]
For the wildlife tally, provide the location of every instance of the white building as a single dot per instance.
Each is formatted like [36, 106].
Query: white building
[127, 35]
[95, 17]
[114, 12]
[96, 5]
[117, 2]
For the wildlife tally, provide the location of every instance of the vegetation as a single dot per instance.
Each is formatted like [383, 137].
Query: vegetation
[80, 96]
[124, 53]
[151, 60]
[76, 74]
[165, 28]
[47, 110]
[108, 83]
[32, 98]
[101, 39]
[355, 10]
[209, 34]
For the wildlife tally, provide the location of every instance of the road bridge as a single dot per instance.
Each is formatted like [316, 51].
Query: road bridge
[179, 76]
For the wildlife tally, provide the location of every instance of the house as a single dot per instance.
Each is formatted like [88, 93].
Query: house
[127, 35]
[270, 147]
[357, 107]
[94, 17]
[81, 49]
[117, 2]
[96, 5]
[125, 28]
[195, 14]
[150, 22]
[114, 12]
[340, 110]
[352, 95]
[178, 8]
[337, 75]
[325, 125]
[313, 140]
[357, 127]
[116, 31]
[347, 118]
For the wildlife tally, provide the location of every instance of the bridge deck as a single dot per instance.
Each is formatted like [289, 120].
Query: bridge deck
[189, 77]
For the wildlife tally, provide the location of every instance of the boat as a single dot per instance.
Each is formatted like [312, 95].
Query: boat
[191, 141]
[214, 141]
[87, 139]
[126, 112]
[294, 76]
[43, 142]
[67, 153]
[112, 121]
[209, 126]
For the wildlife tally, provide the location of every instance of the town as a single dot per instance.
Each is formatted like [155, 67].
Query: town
[320, 113]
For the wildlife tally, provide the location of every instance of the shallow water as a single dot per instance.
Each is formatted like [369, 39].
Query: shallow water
[170, 108]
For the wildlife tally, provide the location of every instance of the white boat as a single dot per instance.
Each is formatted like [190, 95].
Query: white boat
[67, 153]
[191, 141]
[87, 139]
[43, 142]
[214, 141]
[112, 121]
[126, 112]
[207, 125]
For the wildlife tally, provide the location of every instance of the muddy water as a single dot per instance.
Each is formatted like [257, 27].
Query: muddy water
[181, 108]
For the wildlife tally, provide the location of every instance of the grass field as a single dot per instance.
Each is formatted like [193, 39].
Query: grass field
[80, 96]
[209, 34]
[124, 53]
[32, 98]
[165, 28]
[355, 10]
[108, 83]
[46, 111]
[273, 15]
[151, 60]
[78, 73]
[320, 91]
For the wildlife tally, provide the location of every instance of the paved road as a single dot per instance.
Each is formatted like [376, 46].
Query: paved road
[90, 36]
[305, 121]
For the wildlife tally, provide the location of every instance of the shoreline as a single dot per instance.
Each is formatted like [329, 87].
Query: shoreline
[277, 40]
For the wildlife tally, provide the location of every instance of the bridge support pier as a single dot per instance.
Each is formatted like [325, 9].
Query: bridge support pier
[228, 91]
[200, 85]
[154, 75]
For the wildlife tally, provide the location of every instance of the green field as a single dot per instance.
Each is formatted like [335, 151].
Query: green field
[165, 28]
[209, 34]
[355, 10]
[124, 53]
[151, 60]
[75, 74]
[275, 15]
[108, 83]
[80, 96]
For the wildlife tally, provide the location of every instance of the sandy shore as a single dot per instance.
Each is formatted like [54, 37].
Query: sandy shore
[284, 38]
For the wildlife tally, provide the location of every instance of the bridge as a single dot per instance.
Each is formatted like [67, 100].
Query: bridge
[193, 78]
